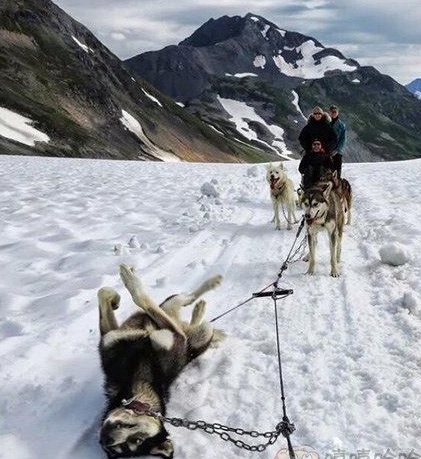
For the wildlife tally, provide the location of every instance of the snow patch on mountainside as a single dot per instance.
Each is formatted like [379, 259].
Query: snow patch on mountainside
[131, 123]
[296, 103]
[240, 113]
[19, 128]
[306, 67]
[265, 30]
[82, 45]
[259, 61]
[242, 75]
[152, 98]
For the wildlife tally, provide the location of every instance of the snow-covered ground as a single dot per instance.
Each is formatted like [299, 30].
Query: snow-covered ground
[351, 346]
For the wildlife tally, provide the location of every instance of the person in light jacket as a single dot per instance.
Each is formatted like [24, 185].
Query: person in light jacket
[340, 130]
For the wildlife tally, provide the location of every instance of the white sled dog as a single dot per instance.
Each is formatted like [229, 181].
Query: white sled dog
[323, 210]
[141, 358]
[281, 193]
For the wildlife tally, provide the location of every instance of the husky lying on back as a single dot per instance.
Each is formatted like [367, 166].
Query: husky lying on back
[323, 210]
[140, 360]
[281, 192]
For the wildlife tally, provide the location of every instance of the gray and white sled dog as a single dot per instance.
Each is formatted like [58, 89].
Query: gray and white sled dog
[141, 358]
[342, 187]
[323, 210]
[281, 193]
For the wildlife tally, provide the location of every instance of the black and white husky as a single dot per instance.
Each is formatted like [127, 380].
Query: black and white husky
[141, 358]
[323, 210]
[281, 193]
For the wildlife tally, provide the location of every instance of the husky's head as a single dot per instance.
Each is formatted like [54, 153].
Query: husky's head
[328, 177]
[316, 203]
[127, 434]
[275, 175]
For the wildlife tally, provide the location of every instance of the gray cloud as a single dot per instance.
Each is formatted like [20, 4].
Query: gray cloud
[374, 32]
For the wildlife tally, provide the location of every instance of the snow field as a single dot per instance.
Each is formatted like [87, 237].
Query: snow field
[351, 346]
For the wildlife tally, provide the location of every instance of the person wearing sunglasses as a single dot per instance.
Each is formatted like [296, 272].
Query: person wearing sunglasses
[318, 127]
[314, 164]
[340, 130]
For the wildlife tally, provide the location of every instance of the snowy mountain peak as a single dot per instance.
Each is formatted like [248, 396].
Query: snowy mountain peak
[232, 45]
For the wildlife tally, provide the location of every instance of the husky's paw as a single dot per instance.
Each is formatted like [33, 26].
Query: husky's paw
[212, 283]
[289, 227]
[110, 296]
[129, 278]
[278, 227]
[310, 272]
[306, 258]
[198, 313]
[217, 338]
[334, 273]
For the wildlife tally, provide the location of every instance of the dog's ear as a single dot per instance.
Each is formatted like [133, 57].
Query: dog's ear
[335, 174]
[327, 189]
[165, 450]
[269, 166]
[281, 165]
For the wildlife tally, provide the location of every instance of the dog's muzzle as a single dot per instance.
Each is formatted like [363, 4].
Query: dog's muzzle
[273, 181]
[310, 220]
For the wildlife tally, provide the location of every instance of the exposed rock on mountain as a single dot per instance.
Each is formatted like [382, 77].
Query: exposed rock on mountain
[63, 93]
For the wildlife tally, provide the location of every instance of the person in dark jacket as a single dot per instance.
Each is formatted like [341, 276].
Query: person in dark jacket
[314, 164]
[340, 130]
[318, 127]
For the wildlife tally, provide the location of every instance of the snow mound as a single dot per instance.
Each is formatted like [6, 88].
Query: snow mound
[209, 190]
[253, 171]
[394, 254]
[19, 128]
[412, 302]
[134, 243]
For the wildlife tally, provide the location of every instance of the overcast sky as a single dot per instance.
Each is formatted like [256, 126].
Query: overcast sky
[383, 33]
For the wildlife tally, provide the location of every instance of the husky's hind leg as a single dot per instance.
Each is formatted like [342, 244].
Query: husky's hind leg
[141, 299]
[108, 301]
[173, 304]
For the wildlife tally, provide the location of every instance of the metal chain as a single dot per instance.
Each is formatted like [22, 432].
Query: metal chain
[222, 431]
